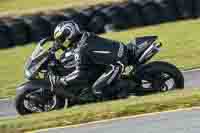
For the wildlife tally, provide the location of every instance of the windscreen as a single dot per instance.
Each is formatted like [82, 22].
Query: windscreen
[41, 49]
[37, 52]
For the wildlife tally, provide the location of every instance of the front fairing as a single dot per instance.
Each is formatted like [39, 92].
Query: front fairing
[35, 61]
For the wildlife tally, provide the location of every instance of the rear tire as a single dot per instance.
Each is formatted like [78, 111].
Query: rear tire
[149, 71]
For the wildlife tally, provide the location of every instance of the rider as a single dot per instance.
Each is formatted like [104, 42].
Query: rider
[91, 51]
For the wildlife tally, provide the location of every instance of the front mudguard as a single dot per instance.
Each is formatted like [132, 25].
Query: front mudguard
[33, 85]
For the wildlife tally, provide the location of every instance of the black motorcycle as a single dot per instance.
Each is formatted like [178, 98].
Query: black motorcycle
[39, 94]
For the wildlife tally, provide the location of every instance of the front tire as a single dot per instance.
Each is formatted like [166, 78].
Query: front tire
[21, 98]
[155, 73]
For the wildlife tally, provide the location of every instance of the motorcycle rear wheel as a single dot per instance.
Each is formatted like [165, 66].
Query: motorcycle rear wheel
[153, 77]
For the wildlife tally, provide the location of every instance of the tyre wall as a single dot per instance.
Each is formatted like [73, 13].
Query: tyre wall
[22, 30]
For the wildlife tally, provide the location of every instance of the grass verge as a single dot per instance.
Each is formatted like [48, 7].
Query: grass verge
[107, 110]
[180, 39]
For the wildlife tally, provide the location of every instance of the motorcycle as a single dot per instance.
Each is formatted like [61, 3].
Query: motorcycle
[39, 94]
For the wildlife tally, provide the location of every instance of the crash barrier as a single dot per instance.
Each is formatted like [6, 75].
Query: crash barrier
[99, 19]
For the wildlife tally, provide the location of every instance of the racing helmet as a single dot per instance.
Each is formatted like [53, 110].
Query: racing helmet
[66, 31]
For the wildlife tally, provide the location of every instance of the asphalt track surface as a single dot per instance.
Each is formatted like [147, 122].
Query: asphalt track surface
[192, 80]
[187, 121]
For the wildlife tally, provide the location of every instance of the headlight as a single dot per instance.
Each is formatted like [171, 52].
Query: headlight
[32, 67]
[28, 74]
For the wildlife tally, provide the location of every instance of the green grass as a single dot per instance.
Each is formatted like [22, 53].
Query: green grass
[10, 7]
[100, 111]
[181, 47]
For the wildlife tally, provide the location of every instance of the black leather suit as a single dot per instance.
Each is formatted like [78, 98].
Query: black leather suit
[93, 51]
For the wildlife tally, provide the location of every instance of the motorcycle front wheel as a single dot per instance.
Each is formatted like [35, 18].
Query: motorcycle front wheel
[32, 100]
